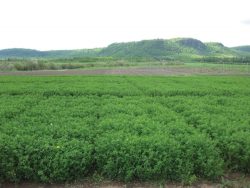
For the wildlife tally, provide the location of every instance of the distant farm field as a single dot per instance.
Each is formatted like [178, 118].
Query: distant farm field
[125, 128]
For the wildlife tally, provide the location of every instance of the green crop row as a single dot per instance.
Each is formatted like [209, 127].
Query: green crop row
[58, 129]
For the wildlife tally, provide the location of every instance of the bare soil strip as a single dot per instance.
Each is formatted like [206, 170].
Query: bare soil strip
[226, 183]
[127, 71]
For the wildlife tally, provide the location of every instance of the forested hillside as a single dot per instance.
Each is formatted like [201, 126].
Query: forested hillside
[150, 49]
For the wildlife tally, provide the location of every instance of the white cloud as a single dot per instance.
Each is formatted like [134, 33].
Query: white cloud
[247, 22]
[71, 24]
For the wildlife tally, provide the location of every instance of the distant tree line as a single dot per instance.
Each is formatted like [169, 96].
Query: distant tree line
[229, 60]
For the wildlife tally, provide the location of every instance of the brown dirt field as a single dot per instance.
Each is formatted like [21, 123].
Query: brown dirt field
[106, 185]
[233, 180]
[127, 71]
[130, 185]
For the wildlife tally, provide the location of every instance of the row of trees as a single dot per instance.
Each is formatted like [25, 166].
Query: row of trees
[229, 60]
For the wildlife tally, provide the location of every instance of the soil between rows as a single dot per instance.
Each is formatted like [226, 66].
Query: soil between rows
[125, 71]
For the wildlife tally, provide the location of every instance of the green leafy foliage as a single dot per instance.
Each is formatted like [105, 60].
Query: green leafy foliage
[59, 129]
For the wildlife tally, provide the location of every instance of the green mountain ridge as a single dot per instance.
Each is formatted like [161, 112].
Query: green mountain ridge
[30, 53]
[242, 48]
[156, 49]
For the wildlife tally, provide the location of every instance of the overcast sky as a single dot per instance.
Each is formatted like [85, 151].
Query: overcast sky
[74, 24]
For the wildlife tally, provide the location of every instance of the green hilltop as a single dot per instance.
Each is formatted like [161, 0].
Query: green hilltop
[157, 49]
[173, 48]
[243, 50]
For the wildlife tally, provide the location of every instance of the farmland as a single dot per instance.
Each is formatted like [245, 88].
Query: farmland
[125, 128]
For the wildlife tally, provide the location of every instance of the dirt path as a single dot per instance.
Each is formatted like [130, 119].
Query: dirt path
[127, 71]
[129, 185]
[234, 180]
[108, 185]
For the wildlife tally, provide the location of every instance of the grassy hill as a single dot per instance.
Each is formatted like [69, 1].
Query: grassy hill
[21, 53]
[158, 48]
[178, 48]
[30, 53]
[244, 50]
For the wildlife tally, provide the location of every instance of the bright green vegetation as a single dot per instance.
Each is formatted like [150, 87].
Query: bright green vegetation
[57, 129]
[213, 67]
